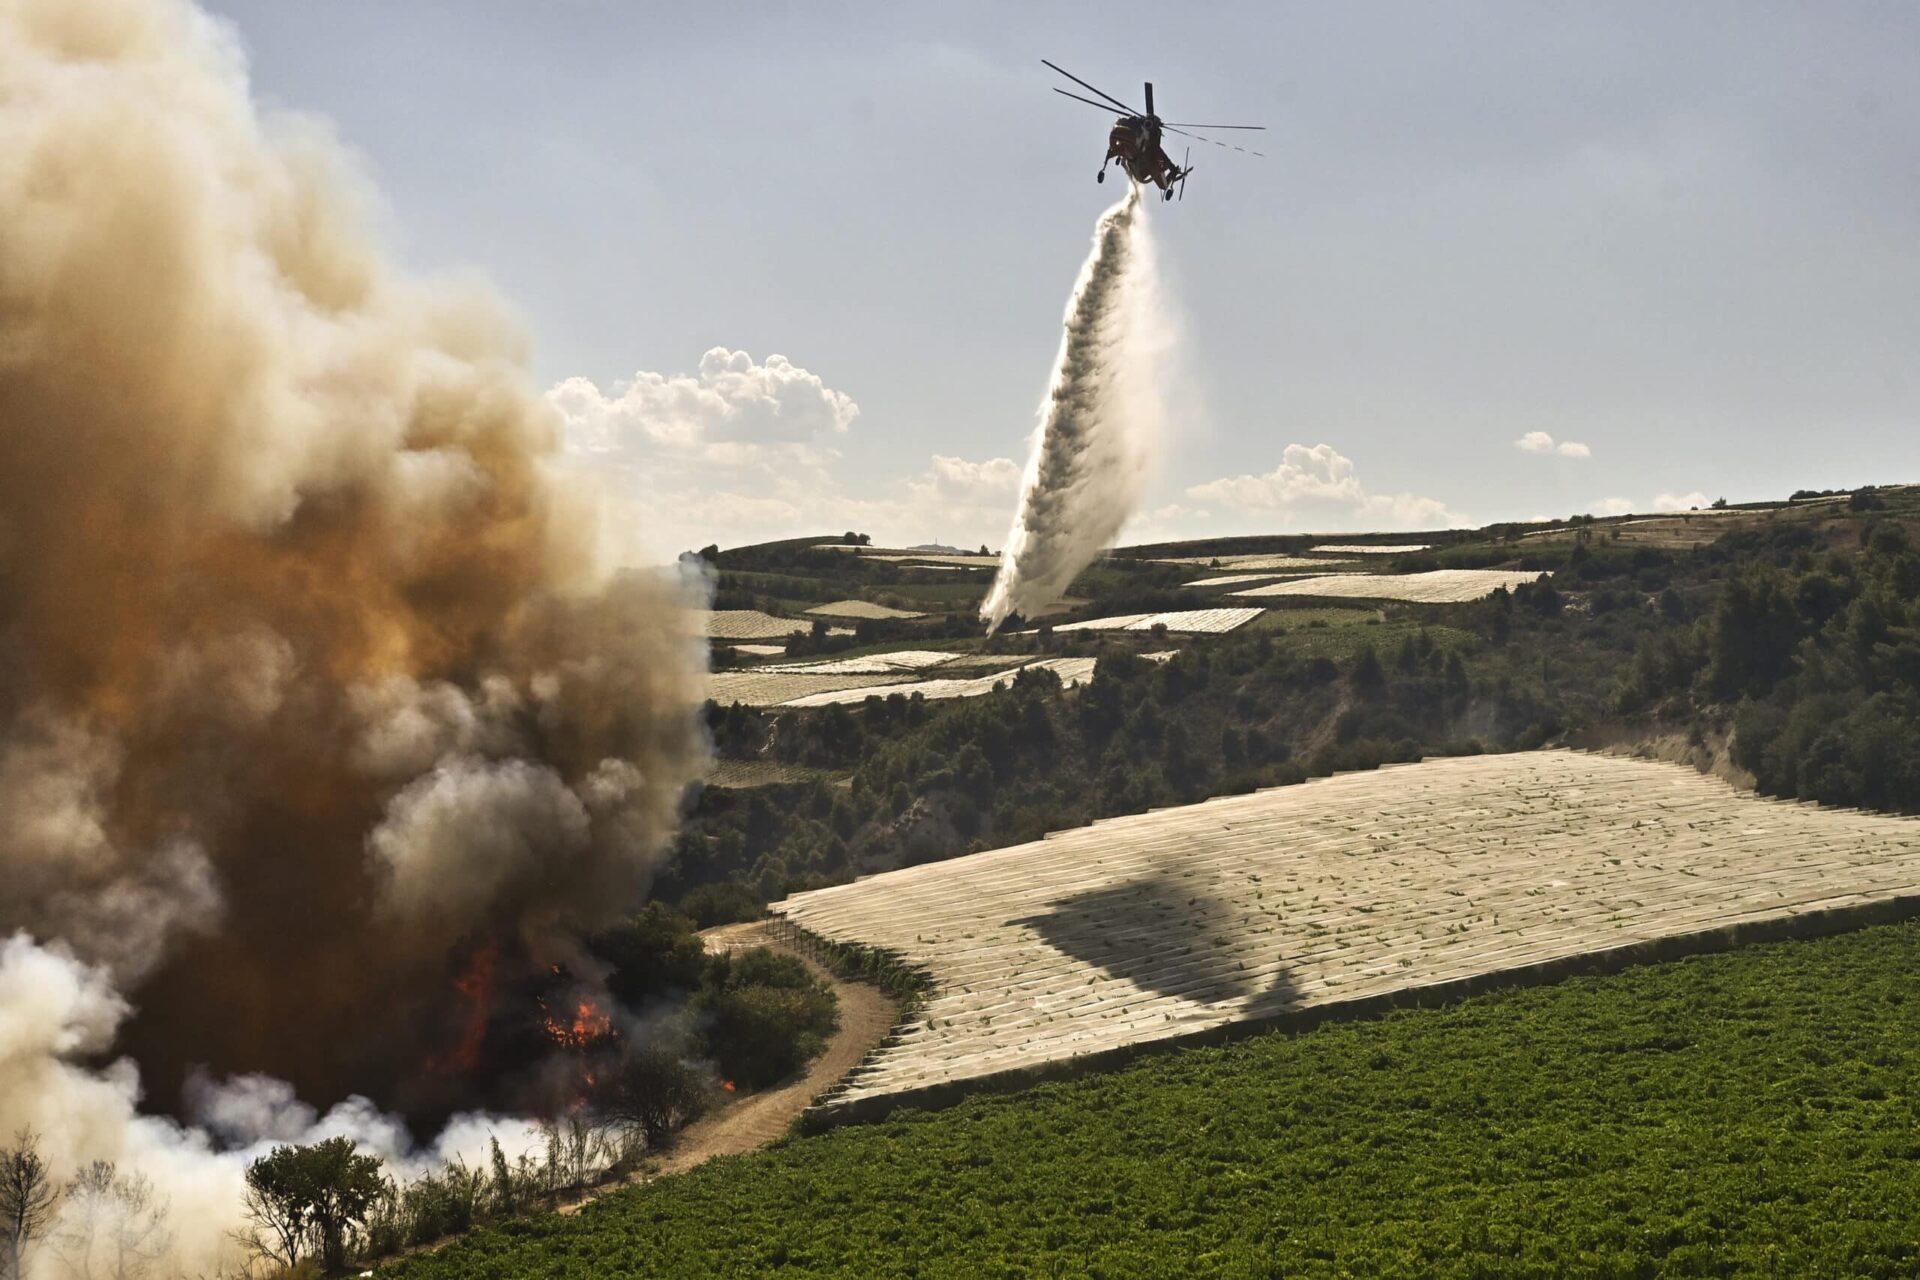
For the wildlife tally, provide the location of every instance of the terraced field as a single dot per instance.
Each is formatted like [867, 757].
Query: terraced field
[1072, 671]
[1362, 887]
[759, 688]
[751, 624]
[860, 609]
[1188, 621]
[1251, 562]
[1435, 586]
[1365, 549]
[1233, 580]
[870, 663]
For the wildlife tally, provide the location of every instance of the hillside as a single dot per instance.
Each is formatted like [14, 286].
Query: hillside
[1791, 630]
[1751, 1113]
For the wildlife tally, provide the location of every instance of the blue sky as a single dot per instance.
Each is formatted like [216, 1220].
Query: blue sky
[1683, 237]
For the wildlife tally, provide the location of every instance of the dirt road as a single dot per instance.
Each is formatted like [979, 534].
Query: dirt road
[866, 1015]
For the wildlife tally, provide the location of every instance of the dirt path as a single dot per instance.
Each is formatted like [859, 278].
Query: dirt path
[866, 1015]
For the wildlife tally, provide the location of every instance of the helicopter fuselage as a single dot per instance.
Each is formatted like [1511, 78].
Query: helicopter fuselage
[1135, 142]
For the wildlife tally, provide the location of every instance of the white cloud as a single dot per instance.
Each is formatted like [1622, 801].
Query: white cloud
[1613, 506]
[730, 411]
[952, 479]
[1541, 442]
[1679, 501]
[1320, 478]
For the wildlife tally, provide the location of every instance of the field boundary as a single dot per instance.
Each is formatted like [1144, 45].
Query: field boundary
[1800, 926]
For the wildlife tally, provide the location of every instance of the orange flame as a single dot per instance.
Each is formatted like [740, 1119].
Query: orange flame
[727, 1085]
[589, 1023]
[475, 986]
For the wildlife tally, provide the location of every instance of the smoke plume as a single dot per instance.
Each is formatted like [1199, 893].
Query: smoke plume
[310, 682]
[1102, 416]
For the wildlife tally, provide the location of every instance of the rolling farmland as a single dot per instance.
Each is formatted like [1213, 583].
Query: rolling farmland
[758, 688]
[1232, 580]
[751, 624]
[1748, 1114]
[1363, 549]
[1362, 886]
[1435, 586]
[860, 609]
[1251, 562]
[1071, 671]
[868, 664]
[1189, 621]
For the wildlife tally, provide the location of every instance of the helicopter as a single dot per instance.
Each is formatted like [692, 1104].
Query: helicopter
[1135, 139]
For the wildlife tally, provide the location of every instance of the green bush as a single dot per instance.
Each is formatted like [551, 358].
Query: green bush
[763, 1016]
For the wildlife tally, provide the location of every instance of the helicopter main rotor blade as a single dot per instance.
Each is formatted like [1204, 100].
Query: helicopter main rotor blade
[1089, 101]
[1089, 88]
[1216, 142]
[1182, 124]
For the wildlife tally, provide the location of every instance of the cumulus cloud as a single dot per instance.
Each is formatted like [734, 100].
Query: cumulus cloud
[950, 478]
[687, 459]
[1321, 479]
[1541, 442]
[1679, 501]
[673, 481]
[727, 410]
[1613, 506]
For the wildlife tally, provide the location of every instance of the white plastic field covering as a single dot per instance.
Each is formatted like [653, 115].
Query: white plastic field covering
[860, 609]
[1360, 549]
[1251, 562]
[1235, 579]
[1353, 887]
[1436, 586]
[933, 558]
[758, 687]
[1189, 621]
[751, 624]
[759, 650]
[869, 664]
[1072, 671]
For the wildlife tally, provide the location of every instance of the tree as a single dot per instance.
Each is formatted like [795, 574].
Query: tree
[27, 1197]
[113, 1227]
[653, 1089]
[1366, 675]
[315, 1198]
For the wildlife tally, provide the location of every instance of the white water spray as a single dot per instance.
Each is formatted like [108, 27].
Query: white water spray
[1099, 423]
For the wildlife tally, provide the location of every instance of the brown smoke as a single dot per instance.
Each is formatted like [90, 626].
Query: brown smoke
[309, 681]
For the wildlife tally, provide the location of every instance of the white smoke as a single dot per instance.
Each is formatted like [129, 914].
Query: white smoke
[1099, 424]
[56, 1011]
